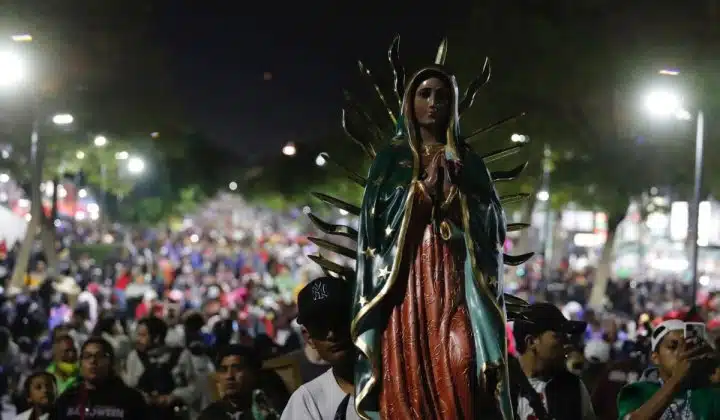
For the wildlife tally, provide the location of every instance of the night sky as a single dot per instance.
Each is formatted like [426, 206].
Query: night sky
[220, 53]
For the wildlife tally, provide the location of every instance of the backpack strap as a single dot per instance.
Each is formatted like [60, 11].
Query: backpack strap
[563, 395]
[520, 387]
[341, 412]
[516, 376]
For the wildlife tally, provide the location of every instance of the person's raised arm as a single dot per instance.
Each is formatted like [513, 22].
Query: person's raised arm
[656, 405]
[653, 408]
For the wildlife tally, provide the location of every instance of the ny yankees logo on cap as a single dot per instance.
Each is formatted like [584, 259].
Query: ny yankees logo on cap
[322, 296]
[319, 291]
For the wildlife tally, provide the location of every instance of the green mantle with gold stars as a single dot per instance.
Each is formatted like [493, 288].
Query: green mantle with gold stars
[384, 220]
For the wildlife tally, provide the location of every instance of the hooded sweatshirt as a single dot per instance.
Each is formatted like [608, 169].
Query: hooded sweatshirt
[185, 380]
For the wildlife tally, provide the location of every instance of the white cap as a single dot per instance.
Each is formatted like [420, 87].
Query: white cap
[663, 329]
[597, 351]
[571, 309]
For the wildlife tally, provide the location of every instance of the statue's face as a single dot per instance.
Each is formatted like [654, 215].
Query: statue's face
[432, 103]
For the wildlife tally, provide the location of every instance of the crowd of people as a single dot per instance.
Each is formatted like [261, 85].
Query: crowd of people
[154, 317]
[198, 326]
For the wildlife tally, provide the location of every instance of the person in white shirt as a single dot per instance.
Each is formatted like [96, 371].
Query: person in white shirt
[40, 390]
[323, 311]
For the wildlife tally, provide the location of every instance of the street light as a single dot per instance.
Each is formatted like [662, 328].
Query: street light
[662, 103]
[320, 160]
[122, 155]
[22, 38]
[519, 138]
[80, 154]
[668, 104]
[289, 149]
[100, 141]
[12, 69]
[136, 165]
[62, 119]
[233, 186]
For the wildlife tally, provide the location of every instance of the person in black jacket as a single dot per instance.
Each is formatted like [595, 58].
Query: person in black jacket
[239, 375]
[101, 394]
[541, 385]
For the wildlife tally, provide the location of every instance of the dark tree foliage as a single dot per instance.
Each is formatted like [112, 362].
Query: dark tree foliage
[581, 69]
[188, 169]
[103, 62]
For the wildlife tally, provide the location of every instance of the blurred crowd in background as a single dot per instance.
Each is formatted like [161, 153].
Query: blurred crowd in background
[202, 287]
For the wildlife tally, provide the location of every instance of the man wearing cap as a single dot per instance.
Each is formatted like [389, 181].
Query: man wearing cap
[324, 313]
[683, 391]
[542, 386]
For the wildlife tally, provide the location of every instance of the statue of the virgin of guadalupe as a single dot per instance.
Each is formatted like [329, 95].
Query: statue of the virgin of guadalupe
[429, 313]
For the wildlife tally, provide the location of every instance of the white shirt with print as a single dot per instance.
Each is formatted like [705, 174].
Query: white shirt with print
[525, 412]
[318, 399]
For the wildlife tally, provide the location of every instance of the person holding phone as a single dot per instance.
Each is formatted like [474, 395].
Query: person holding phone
[683, 390]
[695, 334]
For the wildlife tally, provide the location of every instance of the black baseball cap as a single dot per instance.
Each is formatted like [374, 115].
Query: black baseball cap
[322, 298]
[541, 317]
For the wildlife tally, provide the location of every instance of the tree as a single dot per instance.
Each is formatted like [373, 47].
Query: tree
[150, 211]
[284, 181]
[102, 167]
[571, 65]
[99, 62]
[211, 167]
[187, 169]
[144, 211]
[102, 61]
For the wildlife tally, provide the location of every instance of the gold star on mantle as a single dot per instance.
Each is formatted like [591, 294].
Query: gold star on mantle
[388, 231]
[369, 252]
[383, 273]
